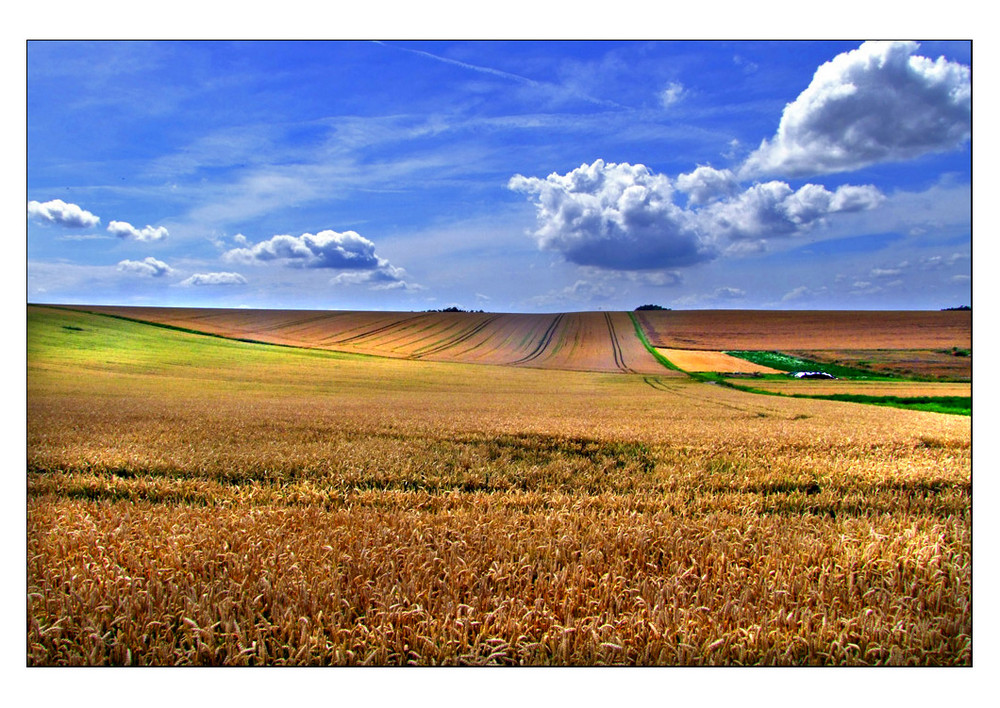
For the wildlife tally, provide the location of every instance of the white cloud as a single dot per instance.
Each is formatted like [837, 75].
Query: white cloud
[610, 215]
[773, 209]
[62, 213]
[347, 251]
[673, 93]
[656, 278]
[796, 294]
[214, 279]
[623, 217]
[706, 184]
[878, 103]
[147, 267]
[885, 272]
[326, 249]
[384, 277]
[123, 229]
[730, 293]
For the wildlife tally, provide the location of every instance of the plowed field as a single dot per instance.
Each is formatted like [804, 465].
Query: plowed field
[798, 330]
[579, 341]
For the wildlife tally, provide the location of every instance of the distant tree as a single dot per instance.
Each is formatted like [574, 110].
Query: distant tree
[453, 308]
[651, 307]
[960, 307]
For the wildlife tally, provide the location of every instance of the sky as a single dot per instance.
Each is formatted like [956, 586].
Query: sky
[507, 176]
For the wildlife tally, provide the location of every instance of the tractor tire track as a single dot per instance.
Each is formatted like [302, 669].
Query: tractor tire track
[757, 411]
[616, 347]
[457, 339]
[544, 343]
[377, 330]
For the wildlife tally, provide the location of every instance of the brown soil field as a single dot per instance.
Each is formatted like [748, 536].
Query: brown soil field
[922, 363]
[806, 330]
[821, 387]
[580, 341]
[698, 360]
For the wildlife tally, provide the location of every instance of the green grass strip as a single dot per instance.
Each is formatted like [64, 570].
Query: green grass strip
[953, 405]
[652, 350]
[786, 362]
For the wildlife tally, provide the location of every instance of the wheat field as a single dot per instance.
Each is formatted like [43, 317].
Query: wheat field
[198, 501]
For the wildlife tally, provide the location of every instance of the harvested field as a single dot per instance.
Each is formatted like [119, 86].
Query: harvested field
[805, 330]
[580, 341]
[199, 501]
[921, 363]
[703, 361]
[821, 387]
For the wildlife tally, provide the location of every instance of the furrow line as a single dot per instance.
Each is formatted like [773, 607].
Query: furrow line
[458, 339]
[616, 346]
[377, 330]
[544, 343]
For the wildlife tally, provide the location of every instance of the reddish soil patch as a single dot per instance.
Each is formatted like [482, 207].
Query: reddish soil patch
[806, 330]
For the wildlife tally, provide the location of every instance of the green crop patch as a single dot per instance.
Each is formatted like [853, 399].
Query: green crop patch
[792, 364]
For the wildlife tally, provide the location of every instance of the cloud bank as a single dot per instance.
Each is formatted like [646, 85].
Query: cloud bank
[125, 230]
[881, 102]
[62, 213]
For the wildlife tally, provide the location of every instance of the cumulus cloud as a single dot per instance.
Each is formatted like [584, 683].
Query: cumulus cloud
[623, 217]
[385, 277]
[123, 229]
[618, 216]
[147, 267]
[62, 213]
[326, 249]
[214, 279]
[347, 251]
[706, 184]
[881, 102]
[773, 209]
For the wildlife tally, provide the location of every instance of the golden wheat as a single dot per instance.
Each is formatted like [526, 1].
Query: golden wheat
[248, 506]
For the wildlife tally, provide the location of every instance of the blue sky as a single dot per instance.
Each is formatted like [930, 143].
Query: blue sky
[514, 176]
